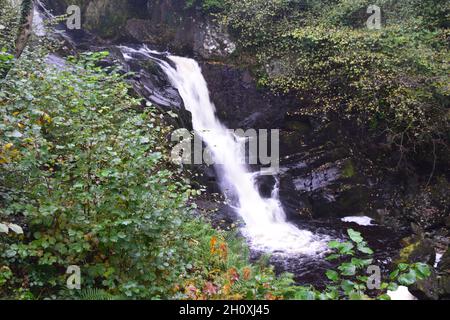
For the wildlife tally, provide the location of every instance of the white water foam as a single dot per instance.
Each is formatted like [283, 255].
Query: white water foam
[362, 221]
[438, 259]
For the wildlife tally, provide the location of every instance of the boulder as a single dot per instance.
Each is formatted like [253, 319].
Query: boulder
[165, 24]
[417, 250]
[444, 264]
[444, 272]
[427, 289]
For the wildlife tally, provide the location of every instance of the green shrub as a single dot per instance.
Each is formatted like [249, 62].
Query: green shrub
[85, 173]
[349, 281]
[206, 6]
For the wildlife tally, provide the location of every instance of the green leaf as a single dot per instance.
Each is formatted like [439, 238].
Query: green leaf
[408, 279]
[332, 257]
[392, 286]
[394, 274]
[334, 244]
[344, 248]
[364, 249]
[361, 262]
[304, 294]
[423, 270]
[356, 295]
[347, 286]
[403, 266]
[355, 236]
[332, 275]
[347, 269]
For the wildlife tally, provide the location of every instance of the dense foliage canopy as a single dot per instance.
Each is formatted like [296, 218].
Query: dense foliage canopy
[392, 81]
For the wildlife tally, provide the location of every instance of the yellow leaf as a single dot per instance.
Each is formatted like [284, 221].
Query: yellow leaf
[8, 146]
[47, 118]
[212, 245]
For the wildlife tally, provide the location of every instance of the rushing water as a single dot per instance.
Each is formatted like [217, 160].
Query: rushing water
[266, 226]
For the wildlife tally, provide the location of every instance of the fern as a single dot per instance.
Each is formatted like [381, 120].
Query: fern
[96, 294]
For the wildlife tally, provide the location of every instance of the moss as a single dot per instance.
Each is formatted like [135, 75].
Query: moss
[391, 78]
[406, 252]
[417, 250]
[298, 126]
[349, 170]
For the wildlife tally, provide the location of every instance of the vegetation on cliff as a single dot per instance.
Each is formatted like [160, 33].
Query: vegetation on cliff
[392, 83]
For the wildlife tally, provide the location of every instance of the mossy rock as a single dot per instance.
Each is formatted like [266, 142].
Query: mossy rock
[421, 250]
[298, 126]
[444, 264]
[426, 289]
[348, 170]
[444, 287]
[417, 250]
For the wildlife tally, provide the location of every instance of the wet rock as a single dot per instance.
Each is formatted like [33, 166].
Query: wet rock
[240, 104]
[300, 126]
[164, 24]
[444, 271]
[152, 83]
[422, 250]
[205, 176]
[295, 205]
[213, 41]
[447, 222]
[266, 185]
[427, 289]
[221, 215]
[444, 287]
[444, 264]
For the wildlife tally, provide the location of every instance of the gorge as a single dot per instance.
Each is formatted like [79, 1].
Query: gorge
[344, 179]
[328, 177]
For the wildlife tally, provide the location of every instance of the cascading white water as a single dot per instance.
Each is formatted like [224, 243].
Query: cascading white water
[266, 225]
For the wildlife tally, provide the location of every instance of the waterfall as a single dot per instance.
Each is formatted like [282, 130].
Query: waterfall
[266, 226]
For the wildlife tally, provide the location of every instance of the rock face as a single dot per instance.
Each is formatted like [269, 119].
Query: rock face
[417, 250]
[166, 24]
[444, 272]
[239, 102]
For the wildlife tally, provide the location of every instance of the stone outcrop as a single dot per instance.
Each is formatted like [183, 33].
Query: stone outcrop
[165, 24]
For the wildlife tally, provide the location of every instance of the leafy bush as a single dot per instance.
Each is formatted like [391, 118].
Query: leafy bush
[206, 6]
[350, 279]
[9, 22]
[390, 82]
[225, 271]
[6, 60]
[84, 172]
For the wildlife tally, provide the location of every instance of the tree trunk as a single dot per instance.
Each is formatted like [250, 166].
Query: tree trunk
[25, 28]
